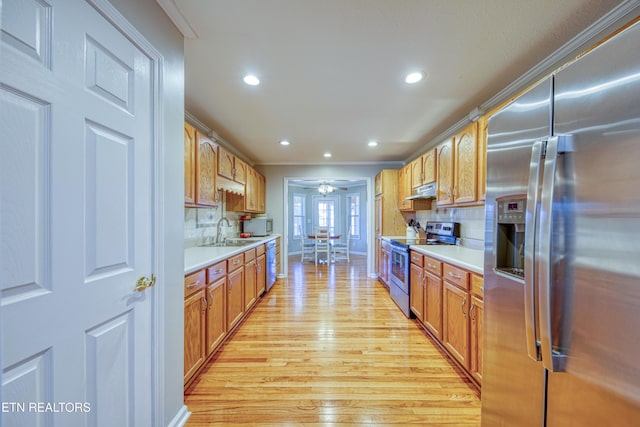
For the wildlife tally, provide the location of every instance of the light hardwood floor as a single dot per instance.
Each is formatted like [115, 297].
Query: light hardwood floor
[328, 347]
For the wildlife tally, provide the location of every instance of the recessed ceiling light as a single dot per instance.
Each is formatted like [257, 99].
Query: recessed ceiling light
[327, 154]
[373, 143]
[284, 142]
[413, 78]
[251, 80]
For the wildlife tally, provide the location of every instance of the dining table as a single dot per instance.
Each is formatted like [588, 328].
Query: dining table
[331, 237]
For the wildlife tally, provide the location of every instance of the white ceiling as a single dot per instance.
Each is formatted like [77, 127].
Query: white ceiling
[332, 71]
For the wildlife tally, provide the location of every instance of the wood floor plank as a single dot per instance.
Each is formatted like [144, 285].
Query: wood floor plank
[328, 347]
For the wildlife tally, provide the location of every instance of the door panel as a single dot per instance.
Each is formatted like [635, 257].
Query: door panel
[76, 111]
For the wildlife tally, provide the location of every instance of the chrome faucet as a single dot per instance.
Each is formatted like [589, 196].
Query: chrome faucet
[219, 231]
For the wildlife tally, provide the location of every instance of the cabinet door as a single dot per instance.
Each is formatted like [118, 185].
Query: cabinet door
[235, 300]
[261, 275]
[445, 173]
[416, 173]
[416, 291]
[465, 187]
[225, 163]
[249, 284]
[195, 309]
[206, 172]
[250, 191]
[429, 166]
[433, 304]
[216, 313]
[262, 198]
[482, 158]
[475, 315]
[189, 164]
[455, 330]
[240, 171]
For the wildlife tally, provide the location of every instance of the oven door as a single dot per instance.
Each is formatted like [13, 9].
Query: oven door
[400, 268]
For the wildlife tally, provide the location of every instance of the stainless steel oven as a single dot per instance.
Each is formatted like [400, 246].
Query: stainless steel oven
[438, 233]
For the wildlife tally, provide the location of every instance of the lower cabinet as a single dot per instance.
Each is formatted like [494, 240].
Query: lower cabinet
[195, 317]
[261, 270]
[216, 305]
[235, 292]
[250, 269]
[447, 300]
[216, 299]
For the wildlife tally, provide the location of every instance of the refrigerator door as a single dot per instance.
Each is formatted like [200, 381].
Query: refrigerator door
[513, 383]
[597, 103]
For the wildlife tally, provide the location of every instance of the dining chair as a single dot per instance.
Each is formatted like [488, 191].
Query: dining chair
[341, 249]
[323, 245]
[308, 247]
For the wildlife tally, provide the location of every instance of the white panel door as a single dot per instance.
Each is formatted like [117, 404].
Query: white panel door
[76, 191]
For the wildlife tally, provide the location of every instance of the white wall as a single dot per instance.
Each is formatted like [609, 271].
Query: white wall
[156, 27]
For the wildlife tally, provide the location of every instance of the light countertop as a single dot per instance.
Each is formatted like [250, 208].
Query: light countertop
[199, 257]
[469, 259]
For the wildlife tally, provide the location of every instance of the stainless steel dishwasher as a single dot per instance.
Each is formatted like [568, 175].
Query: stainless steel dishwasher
[271, 264]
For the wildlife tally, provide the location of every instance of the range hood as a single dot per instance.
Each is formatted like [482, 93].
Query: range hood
[427, 191]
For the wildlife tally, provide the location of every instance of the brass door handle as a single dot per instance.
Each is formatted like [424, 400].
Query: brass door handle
[144, 283]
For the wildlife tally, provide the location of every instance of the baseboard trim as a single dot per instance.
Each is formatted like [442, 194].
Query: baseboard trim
[181, 417]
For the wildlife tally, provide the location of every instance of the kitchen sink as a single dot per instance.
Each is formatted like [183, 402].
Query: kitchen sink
[230, 243]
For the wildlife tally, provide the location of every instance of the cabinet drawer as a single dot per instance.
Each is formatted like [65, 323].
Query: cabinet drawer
[249, 255]
[217, 271]
[194, 282]
[260, 250]
[416, 258]
[477, 285]
[456, 276]
[433, 266]
[235, 262]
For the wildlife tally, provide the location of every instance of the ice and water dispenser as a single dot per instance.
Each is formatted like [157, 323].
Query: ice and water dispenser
[510, 238]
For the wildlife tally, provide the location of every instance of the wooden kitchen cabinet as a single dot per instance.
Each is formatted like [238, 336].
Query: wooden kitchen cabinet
[253, 199]
[433, 296]
[457, 160]
[388, 219]
[235, 291]
[445, 173]
[482, 157]
[195, 312]
[416, 290]
[189, 164]
[405, 190]
[249, 278]
[206, 194]
[475, 317]
[261, 270]
[465, 183]
[216, 305]
[423, 169]
[455, 331]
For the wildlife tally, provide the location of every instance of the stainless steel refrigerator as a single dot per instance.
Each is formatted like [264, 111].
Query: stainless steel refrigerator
[562, 247]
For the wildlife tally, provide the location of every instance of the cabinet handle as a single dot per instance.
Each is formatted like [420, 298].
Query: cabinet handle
[430, 265]
[204, 305]
[455, 276]
[193, 285]
[218, 271]
[464, 302]
[471, 312]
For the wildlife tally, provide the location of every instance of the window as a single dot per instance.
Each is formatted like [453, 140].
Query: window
[298, 215]
[353, 219]
[326, 209]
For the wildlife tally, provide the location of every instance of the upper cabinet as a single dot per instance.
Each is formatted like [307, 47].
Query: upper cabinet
[465, 182]
[423, 169]
[457, 170]
[405, 181]
[482, 157]
[189, 164]
[206, 193]
[199, 168]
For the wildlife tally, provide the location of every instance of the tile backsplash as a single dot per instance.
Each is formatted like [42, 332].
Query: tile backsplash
[200, 225]
[471, 221]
